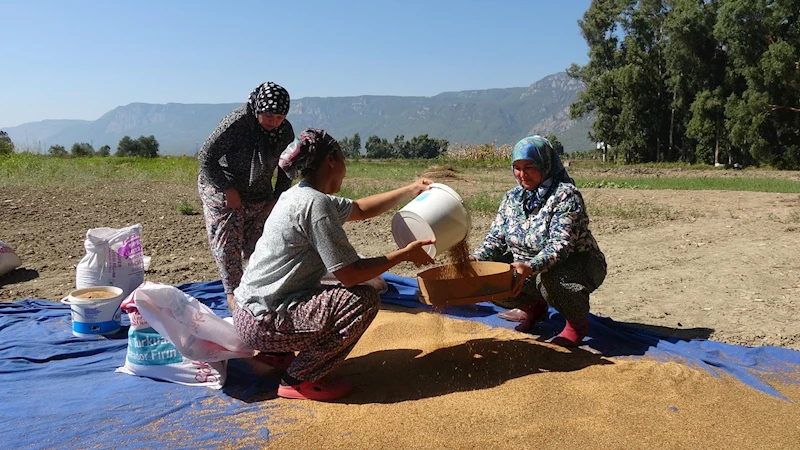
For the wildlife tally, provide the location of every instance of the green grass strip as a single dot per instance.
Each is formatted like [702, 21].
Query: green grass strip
[36, 170]
[24, 169]
[694, 184]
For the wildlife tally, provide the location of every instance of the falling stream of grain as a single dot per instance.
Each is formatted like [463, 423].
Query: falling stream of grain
[458, 262]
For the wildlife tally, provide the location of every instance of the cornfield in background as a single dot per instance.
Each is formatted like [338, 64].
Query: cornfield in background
[484, 153]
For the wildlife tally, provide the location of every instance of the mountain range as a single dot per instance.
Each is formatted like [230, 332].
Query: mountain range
[500, 115]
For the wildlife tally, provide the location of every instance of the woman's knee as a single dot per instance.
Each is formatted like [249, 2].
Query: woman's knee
[599, 272]
[569, 298]
[554, 287]
[368, 296]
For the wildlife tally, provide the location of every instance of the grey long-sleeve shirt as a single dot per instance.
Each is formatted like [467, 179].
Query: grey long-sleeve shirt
[240, 154]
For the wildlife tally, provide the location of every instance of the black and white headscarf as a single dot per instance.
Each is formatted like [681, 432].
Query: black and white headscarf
[269, 98]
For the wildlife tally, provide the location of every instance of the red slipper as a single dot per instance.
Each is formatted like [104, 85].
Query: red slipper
[322, 390]
[572, 334]
[277, 360]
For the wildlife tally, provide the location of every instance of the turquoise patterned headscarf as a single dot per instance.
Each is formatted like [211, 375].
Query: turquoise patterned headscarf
[539, 151]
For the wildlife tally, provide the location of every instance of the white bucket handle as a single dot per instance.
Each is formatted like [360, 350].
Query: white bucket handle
[447, 189]
[68, 301]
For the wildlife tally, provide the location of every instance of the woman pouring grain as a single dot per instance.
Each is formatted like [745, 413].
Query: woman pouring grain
[281, 306]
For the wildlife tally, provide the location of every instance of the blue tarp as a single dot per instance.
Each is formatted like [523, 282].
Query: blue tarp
[61, 391]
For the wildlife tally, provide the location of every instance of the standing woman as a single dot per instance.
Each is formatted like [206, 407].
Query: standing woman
[237, 163]
[542, 229]
[281, 306]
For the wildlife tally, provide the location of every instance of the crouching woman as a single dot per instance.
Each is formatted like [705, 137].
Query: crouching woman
[542, 229]
[281, 306]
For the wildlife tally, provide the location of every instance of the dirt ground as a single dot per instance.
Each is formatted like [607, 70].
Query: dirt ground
[716, 264]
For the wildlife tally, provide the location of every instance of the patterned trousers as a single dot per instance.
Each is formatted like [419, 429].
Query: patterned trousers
[232, 233]
[566, 286]
[323, 328]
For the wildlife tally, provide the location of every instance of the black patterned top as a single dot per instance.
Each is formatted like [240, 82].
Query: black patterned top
[240, 154]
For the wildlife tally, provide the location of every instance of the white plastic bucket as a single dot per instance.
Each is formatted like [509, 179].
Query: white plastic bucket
[95, 316]
[436, 213]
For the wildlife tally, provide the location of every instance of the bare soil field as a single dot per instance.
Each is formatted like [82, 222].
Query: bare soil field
[717, 264]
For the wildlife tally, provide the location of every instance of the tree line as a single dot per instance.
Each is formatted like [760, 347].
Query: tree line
[422, 147]
[711, 81]
[144, 146]
[419, 147]
[147, 146]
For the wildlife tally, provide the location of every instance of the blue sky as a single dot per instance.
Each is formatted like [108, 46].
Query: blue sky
[78, 59]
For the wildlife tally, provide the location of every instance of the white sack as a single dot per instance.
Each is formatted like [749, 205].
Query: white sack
[153, 356]
[195, 330]
[113, 258]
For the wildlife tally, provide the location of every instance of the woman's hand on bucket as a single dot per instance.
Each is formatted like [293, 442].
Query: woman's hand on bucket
[416, 254]
[419, 186]
[523, 271]
[371, 206]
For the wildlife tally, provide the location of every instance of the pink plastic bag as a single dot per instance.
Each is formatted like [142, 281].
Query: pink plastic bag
[192, 327]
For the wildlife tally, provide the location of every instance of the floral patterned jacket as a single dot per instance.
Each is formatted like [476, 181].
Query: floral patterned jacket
[545, 237]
